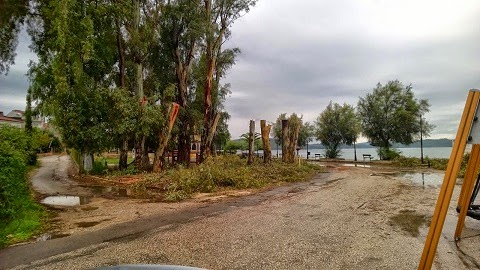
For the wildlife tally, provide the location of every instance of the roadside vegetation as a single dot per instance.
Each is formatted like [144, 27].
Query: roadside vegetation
[226, 172]
[435, 163]
[20, 216]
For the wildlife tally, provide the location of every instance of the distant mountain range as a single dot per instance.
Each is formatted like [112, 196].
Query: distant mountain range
[426, 143]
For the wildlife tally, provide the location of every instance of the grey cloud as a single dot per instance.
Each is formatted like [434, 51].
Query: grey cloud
[286, 66]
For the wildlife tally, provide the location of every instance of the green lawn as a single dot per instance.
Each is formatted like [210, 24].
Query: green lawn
[114, 160]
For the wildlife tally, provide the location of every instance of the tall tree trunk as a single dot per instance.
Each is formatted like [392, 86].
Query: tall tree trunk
[184, 141]
[123, 158]
[211, 134]
[293, 141]
[182, 68]
[86, 162]
[164, 137]
[251, 135]
[213, 44]
[267, 149]
[207, 114]
[141, 155]
[285, 141]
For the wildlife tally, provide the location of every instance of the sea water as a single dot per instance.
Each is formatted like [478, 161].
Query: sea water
[348, 153]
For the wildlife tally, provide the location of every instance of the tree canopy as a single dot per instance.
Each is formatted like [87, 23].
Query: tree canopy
[305, 135]
[108, 70]
[391, 114]
[336, 125]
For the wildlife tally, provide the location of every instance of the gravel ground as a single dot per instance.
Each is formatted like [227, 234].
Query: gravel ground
[350, 218]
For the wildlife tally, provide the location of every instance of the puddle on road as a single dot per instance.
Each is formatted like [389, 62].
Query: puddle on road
[118, 192]
[356, 165]
[65, 200]
[424, 178]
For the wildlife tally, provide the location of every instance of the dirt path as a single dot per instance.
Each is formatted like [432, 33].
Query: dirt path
[52, 177]
[350, 218]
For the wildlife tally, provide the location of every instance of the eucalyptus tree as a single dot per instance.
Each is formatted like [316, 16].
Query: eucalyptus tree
[219, 15]
[182, 33]
[71, 79]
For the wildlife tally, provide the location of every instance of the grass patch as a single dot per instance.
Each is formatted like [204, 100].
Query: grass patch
[114, 160]
[27, 223]
[226, 172]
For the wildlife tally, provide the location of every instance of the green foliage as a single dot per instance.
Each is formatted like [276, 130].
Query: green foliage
[13, 16]
[232, 146]
[227, 172]
[337, 124]
[305, 134]
[386, 153]
[407, 161]
[99, 167]
[257, 141]
[19, 215]
[391, 114]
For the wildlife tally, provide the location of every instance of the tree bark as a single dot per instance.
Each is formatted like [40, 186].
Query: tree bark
[182, 68]
[285, 141]
[87, 162]
[213, 128]
[267, 149]
[164, 137]
[251, 135]
[123, 159]
[141, 155]
[212, 46]
[184, 142]
[293, 142]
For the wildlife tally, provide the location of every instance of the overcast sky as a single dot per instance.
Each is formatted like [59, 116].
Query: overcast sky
[297, 56]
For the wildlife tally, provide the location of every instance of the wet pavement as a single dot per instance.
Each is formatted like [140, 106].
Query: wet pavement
[431, 179]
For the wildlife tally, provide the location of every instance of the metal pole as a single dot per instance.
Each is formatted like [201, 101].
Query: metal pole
[355, 150]
[307, 149]
[421, 140]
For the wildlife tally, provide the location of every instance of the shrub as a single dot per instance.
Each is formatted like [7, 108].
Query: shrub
[388, 153]
[19, 215]
[99, 167]
[226, 172]
[407, 161]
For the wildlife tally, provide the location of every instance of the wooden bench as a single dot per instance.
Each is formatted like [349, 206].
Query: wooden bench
[318, 155]
[367, 156]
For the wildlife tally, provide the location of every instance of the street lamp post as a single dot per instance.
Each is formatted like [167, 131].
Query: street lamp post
[421, 140]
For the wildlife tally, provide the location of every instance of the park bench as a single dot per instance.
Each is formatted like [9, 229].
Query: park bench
[367, 156]
[318, 155]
